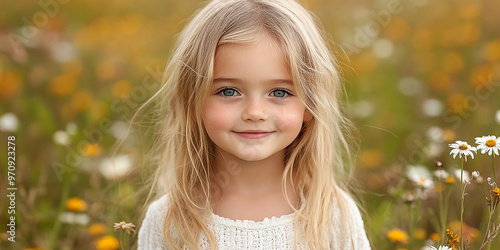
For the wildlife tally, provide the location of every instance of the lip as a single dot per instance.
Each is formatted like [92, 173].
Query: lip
[253, 134]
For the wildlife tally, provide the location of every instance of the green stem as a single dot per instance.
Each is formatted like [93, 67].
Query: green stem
[462, 205]
[122, 240]
[414, 214]
[488, 245]
[441, 210]
[410, 215]
[57, 222]
[493, 166]
[446, 206]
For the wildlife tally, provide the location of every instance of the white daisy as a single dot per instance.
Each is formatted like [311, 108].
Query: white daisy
[488, 144]
[441, 174]
[475, 175]
[491, 183]
[409, 197]
[8, 122]
[420, 175]
[61, 137]
[462, 148]
[74, 218]
[466, 175]
[117, 167]
[441, 248]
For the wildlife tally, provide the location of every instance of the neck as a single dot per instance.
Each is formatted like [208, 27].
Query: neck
[250, 178]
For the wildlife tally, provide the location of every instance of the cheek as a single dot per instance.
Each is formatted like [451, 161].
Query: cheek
[215, 117]
[291, 119]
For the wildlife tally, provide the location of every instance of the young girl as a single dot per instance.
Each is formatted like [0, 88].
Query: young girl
[253, 144]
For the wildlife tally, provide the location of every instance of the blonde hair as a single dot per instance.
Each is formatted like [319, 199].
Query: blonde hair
[318, 157]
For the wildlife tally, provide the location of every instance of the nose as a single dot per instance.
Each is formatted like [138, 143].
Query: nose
[255, 110]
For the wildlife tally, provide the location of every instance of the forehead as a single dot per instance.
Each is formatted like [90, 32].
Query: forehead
[261, 58]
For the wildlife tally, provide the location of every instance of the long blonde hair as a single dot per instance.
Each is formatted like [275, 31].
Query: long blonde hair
[318, 158]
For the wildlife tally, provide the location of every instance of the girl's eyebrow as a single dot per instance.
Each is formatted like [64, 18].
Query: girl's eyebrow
[239, 81]
[224, 79]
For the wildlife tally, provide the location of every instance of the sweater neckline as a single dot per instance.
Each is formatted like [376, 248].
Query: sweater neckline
[267, 222]
[251, 224]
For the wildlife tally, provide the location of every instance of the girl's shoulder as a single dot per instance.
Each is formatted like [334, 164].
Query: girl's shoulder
[158, 206]
[151, 230]
[344, 199]
[347, 218]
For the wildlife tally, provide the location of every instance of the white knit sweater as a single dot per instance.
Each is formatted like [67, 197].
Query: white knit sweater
[271, 233]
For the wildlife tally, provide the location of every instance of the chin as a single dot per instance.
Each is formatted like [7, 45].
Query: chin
[253, 157]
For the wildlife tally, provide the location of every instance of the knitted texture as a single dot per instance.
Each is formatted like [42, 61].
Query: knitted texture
[271, 233]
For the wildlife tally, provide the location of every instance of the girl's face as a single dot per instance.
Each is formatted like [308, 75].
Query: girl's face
[252, 111]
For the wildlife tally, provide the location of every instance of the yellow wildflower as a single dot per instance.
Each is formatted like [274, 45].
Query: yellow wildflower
[449, 135]
[495, 193]
[99, 110]
[398, 29]
[364, 62]
[107, 243]
[91, 149]
[370, 158]
[482, 76]
[81, 100]
[453, 62]
[440, 81]
[457, 103]
[420, 234]
[452, 238]
[449, 180]
[469, 10]
[76, 205]
[63, 85]
[122, 89]
[9, 84]
[97, 229]
[491, 51]
[106, 70]
[422, 39]
[397, 235]
[434, 237]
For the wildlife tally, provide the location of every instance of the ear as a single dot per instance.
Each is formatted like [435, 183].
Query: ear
[307, 116]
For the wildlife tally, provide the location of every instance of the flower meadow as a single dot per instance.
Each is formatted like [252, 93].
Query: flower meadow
[422, 82]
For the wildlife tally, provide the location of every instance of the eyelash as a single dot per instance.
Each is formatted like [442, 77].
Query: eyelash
[287, 93]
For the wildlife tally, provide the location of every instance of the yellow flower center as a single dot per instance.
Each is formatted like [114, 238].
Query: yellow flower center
[422, 181]
[491, 143]
[463, 147]
[449, 180]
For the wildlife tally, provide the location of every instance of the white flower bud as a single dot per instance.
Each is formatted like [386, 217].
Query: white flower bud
[475, 175]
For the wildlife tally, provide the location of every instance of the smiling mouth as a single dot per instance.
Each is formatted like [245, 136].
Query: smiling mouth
[253, 134]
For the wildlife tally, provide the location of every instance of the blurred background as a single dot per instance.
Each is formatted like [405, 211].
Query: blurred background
[419, 75]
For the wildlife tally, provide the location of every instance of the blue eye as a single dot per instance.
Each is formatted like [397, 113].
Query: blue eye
[228, 92]
[280, 93]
